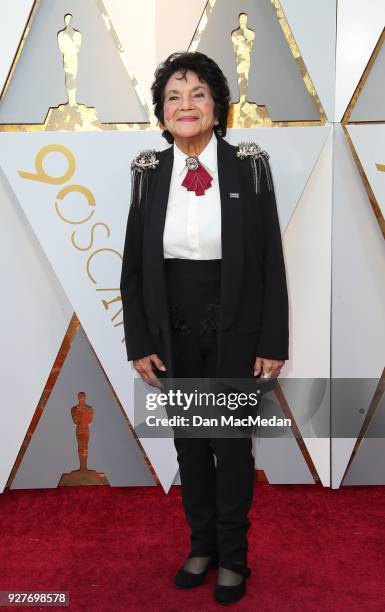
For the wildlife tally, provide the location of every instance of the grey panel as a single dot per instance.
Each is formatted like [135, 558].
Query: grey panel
[367, 467]
[370, 105]
[282, 461]
[309, 403]
[350, 400]
[53, 447]
[276, 450]
[274, 78]
[176, 480]
[102, 80]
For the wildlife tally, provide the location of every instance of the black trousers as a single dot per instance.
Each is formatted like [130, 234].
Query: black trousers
[216, 497]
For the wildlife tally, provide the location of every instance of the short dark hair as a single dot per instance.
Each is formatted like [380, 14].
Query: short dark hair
[207, 70]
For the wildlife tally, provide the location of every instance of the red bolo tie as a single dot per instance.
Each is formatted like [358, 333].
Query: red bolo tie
[197, 178]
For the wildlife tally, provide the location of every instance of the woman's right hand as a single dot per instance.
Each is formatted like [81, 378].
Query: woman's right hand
[145, 369]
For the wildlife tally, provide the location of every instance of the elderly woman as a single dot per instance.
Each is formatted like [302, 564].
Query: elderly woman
[204, 295]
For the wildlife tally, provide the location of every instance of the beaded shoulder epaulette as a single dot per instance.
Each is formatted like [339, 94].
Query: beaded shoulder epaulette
[259, 159]
[140, 165]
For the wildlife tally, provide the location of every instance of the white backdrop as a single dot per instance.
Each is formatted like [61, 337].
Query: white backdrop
[46, 275]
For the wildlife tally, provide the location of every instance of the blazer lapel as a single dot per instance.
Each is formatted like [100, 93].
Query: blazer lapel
[153, 236]
[231, 232]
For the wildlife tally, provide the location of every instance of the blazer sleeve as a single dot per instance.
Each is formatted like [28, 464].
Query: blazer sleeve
[273, 342]
[137, 337]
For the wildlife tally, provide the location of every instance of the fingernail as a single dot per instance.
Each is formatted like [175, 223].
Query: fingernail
[163, 368]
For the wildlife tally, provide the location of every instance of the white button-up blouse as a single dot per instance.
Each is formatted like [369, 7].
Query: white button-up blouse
[193, 223]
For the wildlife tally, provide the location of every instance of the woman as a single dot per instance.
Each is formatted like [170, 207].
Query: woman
[204, 294]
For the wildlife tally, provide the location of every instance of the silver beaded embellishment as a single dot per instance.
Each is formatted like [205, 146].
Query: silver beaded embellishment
[145, 160]
[258, 157]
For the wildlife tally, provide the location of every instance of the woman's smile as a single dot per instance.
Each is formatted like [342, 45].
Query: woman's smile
[188, 118]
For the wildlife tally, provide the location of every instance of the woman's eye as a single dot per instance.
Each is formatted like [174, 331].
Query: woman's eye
[173, 98]
[199, 95]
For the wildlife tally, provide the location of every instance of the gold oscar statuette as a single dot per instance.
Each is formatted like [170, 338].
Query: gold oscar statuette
[82, 416]
[244, 113]
[71, 114]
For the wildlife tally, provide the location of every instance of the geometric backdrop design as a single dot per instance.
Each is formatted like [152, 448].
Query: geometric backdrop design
[40, 78]
[263, 32]
[32, 326]
[112, 448]
[369, 460]
[13, 21]
[74, 190]
[356, 23]
[330, 197]
[359, 205]
[369, 144]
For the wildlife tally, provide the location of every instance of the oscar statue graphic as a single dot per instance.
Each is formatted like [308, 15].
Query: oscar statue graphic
[72, 113]
[244, 113]
[82, 416]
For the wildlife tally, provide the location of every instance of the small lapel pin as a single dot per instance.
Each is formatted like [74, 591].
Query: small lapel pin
[234, 195]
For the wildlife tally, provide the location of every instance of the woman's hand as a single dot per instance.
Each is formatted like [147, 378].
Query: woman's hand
[267, 366]
[145, 369]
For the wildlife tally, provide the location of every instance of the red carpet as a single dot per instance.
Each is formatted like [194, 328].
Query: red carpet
[117, 549]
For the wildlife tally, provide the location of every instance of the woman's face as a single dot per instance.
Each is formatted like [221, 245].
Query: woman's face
[188, 106]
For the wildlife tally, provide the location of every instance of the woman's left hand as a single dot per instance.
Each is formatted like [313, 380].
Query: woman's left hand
[267, 366]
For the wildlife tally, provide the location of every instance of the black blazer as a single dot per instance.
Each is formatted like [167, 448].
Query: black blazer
[254, 299]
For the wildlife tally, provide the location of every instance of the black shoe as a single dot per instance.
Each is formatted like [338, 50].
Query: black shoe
[229, 594]
[188, 580]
